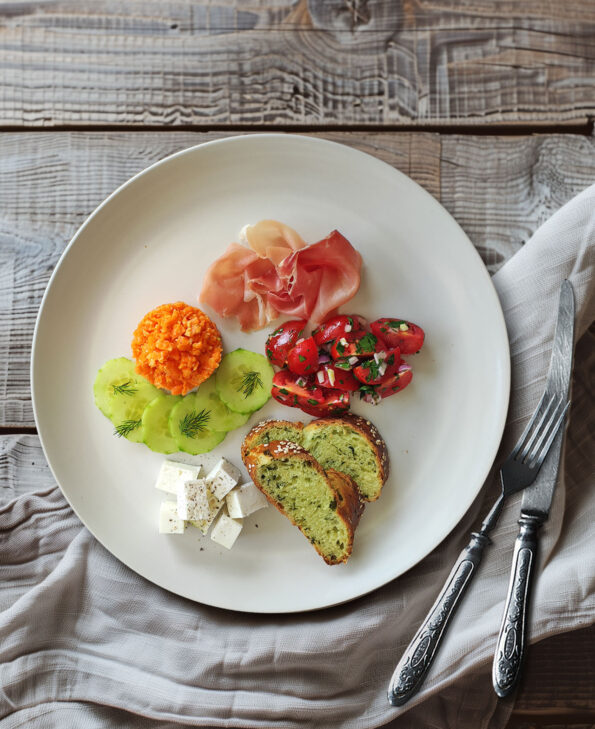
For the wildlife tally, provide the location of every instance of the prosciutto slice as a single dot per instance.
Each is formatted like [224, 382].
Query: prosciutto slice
[278, 273]
[320, 279]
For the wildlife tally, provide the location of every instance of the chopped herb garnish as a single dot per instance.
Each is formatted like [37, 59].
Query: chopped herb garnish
[250, 381]
[194, 423]
[126, 388]
[126, 427]
[366, 344]
[340, 348]
[394, 324]
[312, 402]
[283, 391]
[301, 358]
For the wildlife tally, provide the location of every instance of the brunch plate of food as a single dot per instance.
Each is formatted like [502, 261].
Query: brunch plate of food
[270, 373]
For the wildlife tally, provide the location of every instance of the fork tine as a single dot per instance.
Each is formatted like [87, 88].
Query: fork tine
[538, 455]
[528, 428]
[541, 427]
[526, 440]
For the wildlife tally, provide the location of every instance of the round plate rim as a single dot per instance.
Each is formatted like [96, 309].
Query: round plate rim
[451, 524]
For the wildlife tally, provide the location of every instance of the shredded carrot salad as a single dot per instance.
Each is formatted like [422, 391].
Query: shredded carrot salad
[176, 347]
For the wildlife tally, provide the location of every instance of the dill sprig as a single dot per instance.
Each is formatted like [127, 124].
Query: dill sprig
[126, 427]
[126, 388]
[250, 381]
[193, 423]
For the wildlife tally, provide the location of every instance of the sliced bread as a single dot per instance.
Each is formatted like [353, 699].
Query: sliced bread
[326, 507]
[350, 444]
[268, 430]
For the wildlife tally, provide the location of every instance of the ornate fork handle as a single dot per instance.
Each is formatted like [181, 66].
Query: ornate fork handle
[510, 648]
[419, 655]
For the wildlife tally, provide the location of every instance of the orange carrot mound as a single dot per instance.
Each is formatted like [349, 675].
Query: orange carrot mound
[176, 347]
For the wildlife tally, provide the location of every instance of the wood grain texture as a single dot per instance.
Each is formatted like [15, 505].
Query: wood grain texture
[296, 62]
[498, 188]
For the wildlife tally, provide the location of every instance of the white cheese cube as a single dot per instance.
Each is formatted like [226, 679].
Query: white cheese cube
[222, 478]
[245, 500]
[169, 521]
[173, 473]
[193, 500]
[214, 508]
[226, 530]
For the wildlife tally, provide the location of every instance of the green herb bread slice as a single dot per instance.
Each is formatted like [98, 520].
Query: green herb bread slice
[268, 430]
[350, 444]
[325, 507]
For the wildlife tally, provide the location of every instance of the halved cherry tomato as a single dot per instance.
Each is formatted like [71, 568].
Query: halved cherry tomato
[302, 358]
[336, 378]
[358, 345]
[288, 387]
[399, 333]
[378, 368]
[301, 392]
[337, 327]
[282, 340]
[396, 382]
[336, 404]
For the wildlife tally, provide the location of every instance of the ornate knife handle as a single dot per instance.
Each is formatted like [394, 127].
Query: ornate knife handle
[419, 656]
[513, 632]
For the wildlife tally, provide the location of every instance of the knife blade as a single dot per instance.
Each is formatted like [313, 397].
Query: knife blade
[535, 508]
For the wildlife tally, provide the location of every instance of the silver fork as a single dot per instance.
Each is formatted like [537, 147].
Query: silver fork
[518, 471]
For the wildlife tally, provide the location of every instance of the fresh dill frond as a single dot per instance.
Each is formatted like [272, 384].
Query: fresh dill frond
[126, 427]
[126, 388]
[250, 382]
[194, 423]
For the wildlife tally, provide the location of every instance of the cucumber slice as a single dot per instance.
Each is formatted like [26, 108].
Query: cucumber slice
[189, 426]
[244, 380]
[222, 418]
[155, 424]
[127, 408]
[116, 376]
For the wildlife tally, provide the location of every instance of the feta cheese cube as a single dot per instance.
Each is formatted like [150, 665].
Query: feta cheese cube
[245, 500]
[226, 530]
[222, 478]
[173, 473]
[193, 500]
[215, 505]
[169, 521]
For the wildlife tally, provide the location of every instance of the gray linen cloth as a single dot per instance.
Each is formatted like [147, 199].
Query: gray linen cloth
[86, 643]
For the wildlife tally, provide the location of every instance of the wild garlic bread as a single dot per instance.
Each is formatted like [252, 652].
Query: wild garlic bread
[325, 506]
[298, 467]
[269, 430]
[350, 444]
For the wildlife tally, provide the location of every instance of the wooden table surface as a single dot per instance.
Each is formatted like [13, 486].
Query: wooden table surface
[487, 104]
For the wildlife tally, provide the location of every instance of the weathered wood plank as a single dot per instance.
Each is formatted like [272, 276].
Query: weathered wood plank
[296, 62]
[498, 188]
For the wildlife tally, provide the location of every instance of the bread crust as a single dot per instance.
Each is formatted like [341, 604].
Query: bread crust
[262, 427]
[366, 429]
[349, 504]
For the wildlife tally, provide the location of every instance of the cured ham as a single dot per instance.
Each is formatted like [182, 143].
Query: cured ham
[320, 279]
[276, 272]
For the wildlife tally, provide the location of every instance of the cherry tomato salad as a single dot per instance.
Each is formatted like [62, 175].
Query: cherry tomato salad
[344, 355]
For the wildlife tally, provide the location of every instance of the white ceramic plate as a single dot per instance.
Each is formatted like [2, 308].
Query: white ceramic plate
[151, 241]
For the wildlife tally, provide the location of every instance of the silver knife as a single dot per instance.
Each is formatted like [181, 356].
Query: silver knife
[535, 507]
